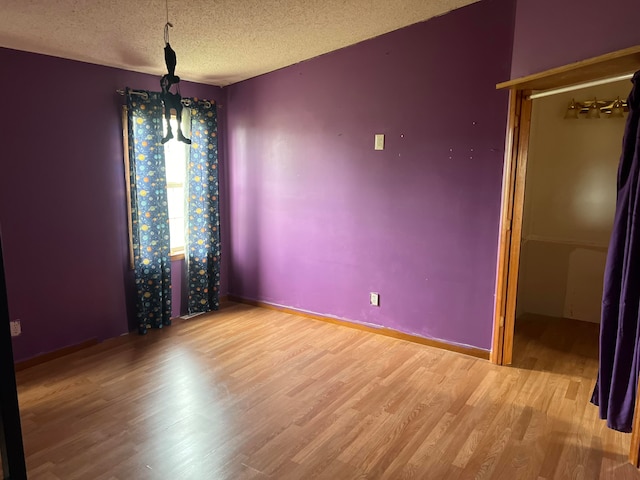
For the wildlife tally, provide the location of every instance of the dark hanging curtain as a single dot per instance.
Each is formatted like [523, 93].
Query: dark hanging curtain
[617, 383]
[202, 250]
[149, 211]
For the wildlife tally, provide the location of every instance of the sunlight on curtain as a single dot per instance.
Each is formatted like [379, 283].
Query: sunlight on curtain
[202, 252]
[149, 211]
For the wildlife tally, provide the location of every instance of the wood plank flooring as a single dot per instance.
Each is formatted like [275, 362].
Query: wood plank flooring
[249, 393]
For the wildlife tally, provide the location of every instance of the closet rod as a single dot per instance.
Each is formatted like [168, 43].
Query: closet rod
[571, 88]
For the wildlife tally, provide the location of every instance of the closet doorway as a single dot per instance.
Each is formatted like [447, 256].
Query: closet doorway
[596, 71]
[569, 207]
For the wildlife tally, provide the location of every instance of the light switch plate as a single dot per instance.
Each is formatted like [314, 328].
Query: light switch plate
[379, 143]
[374, 299]
[16, 328]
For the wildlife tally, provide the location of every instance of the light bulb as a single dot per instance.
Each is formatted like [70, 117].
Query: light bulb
[572, 111]
[617, 110]
[594, 110]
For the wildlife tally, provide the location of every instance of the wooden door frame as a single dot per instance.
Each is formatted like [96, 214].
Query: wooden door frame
[514, 175]
[513, 184]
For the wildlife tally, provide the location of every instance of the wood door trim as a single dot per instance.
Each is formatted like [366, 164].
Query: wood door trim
[634, 450]
[515, 170]
[511, 148]
[609, 65]
[517, 215]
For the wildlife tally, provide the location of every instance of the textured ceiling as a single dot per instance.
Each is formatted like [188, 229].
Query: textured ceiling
[217, 42]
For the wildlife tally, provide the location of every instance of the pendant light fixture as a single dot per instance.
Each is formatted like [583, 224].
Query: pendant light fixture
[172, 101]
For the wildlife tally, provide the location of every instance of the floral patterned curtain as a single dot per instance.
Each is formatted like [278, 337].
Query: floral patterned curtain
[202, 251]
[149, 211]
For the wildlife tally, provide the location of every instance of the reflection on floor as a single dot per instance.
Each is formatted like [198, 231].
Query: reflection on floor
[248, 393]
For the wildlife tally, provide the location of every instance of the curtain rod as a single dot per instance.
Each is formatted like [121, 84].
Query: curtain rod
[556, 91]
[185, 101]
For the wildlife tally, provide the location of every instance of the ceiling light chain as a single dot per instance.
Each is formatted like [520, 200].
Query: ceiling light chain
[172, 101]
[168, 24]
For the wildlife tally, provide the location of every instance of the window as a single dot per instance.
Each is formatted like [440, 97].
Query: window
[176, 156]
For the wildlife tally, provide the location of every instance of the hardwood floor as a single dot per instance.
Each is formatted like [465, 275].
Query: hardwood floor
[249, 393]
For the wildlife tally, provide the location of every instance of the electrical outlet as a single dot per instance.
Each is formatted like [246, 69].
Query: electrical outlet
[374, 299]
[16, 328]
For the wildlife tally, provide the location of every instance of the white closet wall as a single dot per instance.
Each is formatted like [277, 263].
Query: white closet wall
[569, 206]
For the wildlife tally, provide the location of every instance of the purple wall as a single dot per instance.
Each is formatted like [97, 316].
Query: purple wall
[319, 219]
[552, 33]
[62, 207]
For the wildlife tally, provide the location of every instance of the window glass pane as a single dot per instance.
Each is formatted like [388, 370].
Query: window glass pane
[175, 154]
[175, 199]
[176, 232]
